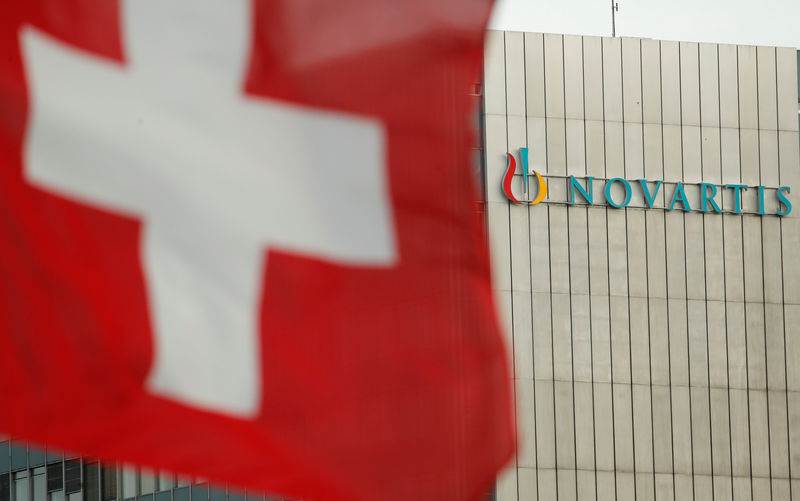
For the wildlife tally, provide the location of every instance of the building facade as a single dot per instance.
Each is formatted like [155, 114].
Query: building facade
[655, 335]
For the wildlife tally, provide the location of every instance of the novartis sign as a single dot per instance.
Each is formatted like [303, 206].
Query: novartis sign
[618, 193]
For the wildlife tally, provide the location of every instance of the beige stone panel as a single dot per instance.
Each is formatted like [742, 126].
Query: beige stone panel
[734, 259]
[542, 337]
[626, 486]
[728, 86]
[567, 485]
[756, 354]
[547, 484]
[651, 81]
[634, 159]
[520, 248]
[506, 488]
[673, 156]
[595, 138]
[678, 342]
[515, 73]
[573, 76]
[778, 434]
[662, 429]
[526, 424]
[576, 147]
[545, 425]
[767, 87]
[499, 245]
[670, 83]
[748, 87]
[676, 255]
[723, 488]
[768, 160]
[593, 77]
[612, 78]
[681, 430]
[527, 485]
[684, 487]
[709, 85]
[791, 314]
[556, 157]
[554, 75]
[640, 340]
[720, 432]
[695, 257]
[740, 432]
[759, 433]
[712, 160]
[604, 427]
[737, 345]
[717, 342]
[562, 337]
[565, 425]
[623, 427]
[578, 250]
[787, 88]
[642, 428]
[559, 249]
[620, 340]
[692, 156]
[794, 432]
[665, 487]
[701, 431]
[540, 248]
[598, 250]
[615, 149]
[731, 164]
[632, 80]
[654, 158]
[715, 257]
[645, 487]
[656, 255]
[504, 313]
[584, 426]
[742, 489]
[617, 252]
[776, 357]
[789, 160]
[753, 266]
[781, 490]
[790, 228]
[761, 488]
[523, 335]
[751, 174]
[690, 83]
[581, 338]
[586, 486]
[534, 74]
[494, 75]
[496, 157]
[703, 487]
[637, 253]
[698, 343]
[601, 338]
[606, 486]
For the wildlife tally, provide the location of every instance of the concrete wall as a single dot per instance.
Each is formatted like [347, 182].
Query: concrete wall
[656, 353]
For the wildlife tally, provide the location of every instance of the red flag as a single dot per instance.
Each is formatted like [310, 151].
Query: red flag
[236, 241]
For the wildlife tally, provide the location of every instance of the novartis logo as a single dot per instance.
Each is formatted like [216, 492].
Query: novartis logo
[648, 194]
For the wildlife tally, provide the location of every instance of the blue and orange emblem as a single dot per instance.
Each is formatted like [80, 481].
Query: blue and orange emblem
[512, 171]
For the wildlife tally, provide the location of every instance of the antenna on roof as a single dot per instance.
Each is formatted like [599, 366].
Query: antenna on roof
[614, 10]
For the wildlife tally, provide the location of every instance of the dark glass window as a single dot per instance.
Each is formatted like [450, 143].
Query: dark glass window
[72, 475]
[4, 464]
[200, 492]
[55, 477]
[164, 496]
[216, 494]
[36, 457]
[181, 494]
[147, 497]
[109, 483]
[91, 481]
[5, 487]
[234, 496]
[19, 456]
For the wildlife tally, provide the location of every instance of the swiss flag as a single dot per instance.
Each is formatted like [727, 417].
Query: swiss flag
[236, 241]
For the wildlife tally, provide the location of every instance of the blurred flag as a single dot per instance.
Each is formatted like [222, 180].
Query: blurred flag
[236, 241]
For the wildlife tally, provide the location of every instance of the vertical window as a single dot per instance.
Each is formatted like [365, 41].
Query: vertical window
[5, 487]
[22, 489]
[91, 481]
[147, 482]
[55, 477]
[4, 463]
[19, 456]
[165, 481]
[128, 482]
[56, 496]
[72, 476]
[39, 483]
[109, 475]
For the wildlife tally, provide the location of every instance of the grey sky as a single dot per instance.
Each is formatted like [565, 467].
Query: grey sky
[755, 22]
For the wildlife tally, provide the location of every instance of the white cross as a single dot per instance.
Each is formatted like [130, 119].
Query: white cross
[216, 177]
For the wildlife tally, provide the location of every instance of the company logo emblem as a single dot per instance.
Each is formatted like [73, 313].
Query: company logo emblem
[509, 177]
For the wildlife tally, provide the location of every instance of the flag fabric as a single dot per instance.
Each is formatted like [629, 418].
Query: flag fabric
[237, 241]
